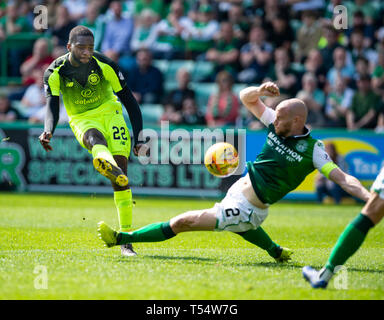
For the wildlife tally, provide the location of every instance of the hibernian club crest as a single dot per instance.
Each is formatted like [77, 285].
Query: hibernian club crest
[302, 146]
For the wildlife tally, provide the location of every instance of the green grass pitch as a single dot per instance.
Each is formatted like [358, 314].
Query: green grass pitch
[57, 234]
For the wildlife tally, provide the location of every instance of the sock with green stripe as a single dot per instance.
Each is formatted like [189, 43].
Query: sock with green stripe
[261, 239]
[154, 232]
[101, 151]
[349, 241]
[123, 202]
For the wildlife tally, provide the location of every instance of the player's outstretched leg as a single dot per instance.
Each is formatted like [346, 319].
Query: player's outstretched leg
[154, 232]
[198, 220]
[261, 239]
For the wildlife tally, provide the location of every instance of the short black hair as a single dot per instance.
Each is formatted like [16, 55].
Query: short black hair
[79, 31]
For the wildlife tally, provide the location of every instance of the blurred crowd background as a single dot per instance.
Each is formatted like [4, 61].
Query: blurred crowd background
[186, 61]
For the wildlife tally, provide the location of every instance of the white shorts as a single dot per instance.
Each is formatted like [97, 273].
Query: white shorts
[378, 185]
[235, 213]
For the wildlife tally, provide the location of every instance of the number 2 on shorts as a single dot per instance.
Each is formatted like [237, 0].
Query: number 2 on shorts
[233, 212]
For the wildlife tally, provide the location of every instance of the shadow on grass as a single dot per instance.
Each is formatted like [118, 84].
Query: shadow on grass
[180, 258]
[165, 258]
[289, 265]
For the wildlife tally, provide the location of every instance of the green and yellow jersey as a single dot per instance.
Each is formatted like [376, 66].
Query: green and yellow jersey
[285, 162]
[85, 87]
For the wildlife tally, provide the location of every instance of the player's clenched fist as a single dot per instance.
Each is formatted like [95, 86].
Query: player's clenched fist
[252, 94]
[45, 139]
[269, 89]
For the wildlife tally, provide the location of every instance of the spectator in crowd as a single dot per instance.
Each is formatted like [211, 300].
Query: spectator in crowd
[34, 97]
[255, 57]
[314, 64]
[305, 5]
[329, 14]
[367, 7]
[144, 25]
[190, 115]
[380, 121]
[26, 10]
[63, 25]
[157, 6]
[199, 32]
[13, 23]
[7, 112]
[282, 73]
[358, 48]
[95, 22]
[170, 114]
[52, 6]
[340, 66]
[365, 106]
[367, 29]
[167, 35]
[40, 57]
[338, 102]
[118, 33]
[362, 67]
[223, 107]
[271, 9]
[326, 187]
[196, 4]
[239, 22]
[177, 96]
[254, 11]
[331, 41]
[145, 80]
[224, 6]
[280, 33]
[225, 53]
[76, 9]
[378, 75]
[314, 99]
[308, 35]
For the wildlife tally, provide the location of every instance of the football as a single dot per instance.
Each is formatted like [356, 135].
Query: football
[221, 159]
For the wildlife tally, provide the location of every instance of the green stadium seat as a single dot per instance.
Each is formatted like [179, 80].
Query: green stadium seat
[151, 112]
[203, 92]
[176, 65]
[170, 85]
[237, 87]
[162, 65]
[201, 70]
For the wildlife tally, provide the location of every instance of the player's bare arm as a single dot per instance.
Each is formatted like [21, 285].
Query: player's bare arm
[349, 184]
[250, 97]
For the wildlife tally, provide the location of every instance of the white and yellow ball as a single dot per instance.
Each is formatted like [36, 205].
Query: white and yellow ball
[221, 159]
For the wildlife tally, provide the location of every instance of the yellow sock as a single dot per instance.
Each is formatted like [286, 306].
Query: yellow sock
[101, 151]
[123, 202]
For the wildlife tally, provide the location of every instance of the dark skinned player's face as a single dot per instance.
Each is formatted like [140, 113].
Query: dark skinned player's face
[82, 49]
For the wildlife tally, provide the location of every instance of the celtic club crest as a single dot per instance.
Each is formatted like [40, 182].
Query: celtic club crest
[94, 79]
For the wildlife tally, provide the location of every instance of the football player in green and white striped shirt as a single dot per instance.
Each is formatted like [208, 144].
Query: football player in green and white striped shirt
[287, 157]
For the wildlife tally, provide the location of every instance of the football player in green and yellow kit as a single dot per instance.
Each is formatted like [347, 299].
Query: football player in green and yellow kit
[288, 156]
[87, 81]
